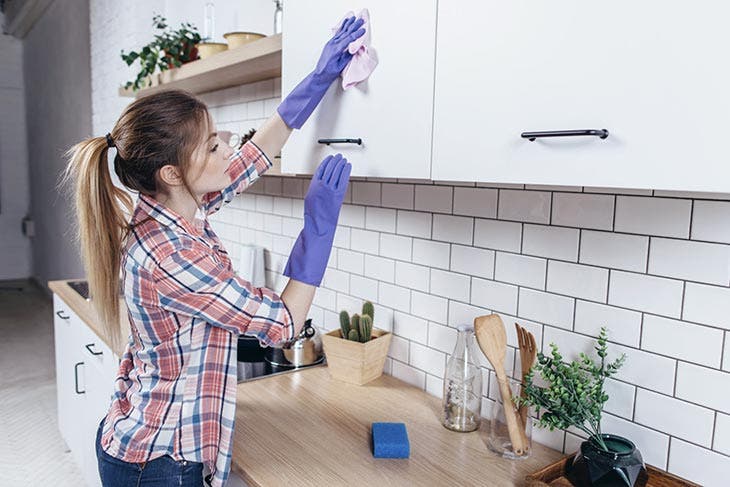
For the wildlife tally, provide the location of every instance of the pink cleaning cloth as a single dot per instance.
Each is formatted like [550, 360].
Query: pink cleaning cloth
[364, 58]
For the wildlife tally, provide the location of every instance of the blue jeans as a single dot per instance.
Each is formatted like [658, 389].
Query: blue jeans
[160, 472]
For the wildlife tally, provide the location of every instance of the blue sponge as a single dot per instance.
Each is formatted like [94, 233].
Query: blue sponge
[390, 440]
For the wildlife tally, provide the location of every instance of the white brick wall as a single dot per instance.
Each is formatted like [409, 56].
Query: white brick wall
[561, 261]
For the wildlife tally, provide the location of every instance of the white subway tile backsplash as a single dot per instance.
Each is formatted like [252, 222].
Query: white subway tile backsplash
[481, 202]
[693, 261]
[450, 285]
[265, 203]
[498, 235]
[434, 254]
[621, 397]
[722, 434]
[364, 241]
[526, 206]
[652, 444]
[456, 229]
[686, 341]
[365, 193]
[614, 250]
[553, 242]
[441, 337]
[700, 385]
[396, 297]
[436, 199]
[408, 374]
[427, 359]
[380, 219]
[521, 270]
[399, 348]
[414, 223]
[395, 246]
[463, 314]
[342, 237]
[410, 327]
[646, 293]
[379, 268]
[623, 325]
[709, 305]
[583, 210]
[471, 260]
[350, 261]
[282, 206]
[546, 308]
[364, 288]
[653, 216]
[494, 295]
[711, 221]
[704, 467]
[678, 418]
[432, 308]
[397, 196]
[351, 216]
[412, 276]
[726, 353]
[577, 280]
[337, 280]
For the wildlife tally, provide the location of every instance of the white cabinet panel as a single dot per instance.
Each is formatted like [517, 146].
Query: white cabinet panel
[391, 112]
[654, 74]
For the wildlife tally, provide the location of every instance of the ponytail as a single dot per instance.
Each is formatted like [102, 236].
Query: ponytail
[103, 211]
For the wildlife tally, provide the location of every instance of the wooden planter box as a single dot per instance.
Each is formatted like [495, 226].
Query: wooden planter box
[354, 362]
[554, 476]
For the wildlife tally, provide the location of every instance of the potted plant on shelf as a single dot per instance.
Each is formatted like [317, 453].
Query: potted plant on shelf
[356, 351]
[169, 49]
[574, 396]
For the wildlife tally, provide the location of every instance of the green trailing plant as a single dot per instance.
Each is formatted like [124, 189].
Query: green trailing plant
[169, 49]
[574, 394]
[359, 328]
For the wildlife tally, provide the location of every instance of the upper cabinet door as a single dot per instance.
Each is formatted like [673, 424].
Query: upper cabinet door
[654, 74]
[391, 112]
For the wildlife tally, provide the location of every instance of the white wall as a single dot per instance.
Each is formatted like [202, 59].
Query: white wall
[15, 255]
[652, 266]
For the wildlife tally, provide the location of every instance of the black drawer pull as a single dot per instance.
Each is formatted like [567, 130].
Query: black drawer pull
[92, 352]
[340, 141]
[59, 313]
[76, 378]
[602, 133]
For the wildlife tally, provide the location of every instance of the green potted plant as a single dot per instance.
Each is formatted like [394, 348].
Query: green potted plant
[169, 49]
[574, 396]
[356, 351]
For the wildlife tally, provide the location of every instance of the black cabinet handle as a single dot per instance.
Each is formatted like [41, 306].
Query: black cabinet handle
[59, 313]
[340, 141]
[76, 378]
[92, 352]
[602, 133]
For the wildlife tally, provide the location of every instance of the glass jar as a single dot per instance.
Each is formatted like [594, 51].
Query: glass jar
[498, 439]
[462, 400]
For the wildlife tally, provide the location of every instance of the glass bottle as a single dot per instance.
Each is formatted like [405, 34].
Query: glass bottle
[209, 22]
[462, 401]
[278, 16]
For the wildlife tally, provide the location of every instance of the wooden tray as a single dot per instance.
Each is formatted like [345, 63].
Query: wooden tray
[554, 476]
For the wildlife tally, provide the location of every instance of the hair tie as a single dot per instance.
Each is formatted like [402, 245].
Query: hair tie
[109, 141]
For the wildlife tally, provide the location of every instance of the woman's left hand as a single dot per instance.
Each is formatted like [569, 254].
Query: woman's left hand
[335, 55]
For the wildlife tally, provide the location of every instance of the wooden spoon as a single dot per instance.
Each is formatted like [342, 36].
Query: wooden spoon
[528, 354]
[492, 339]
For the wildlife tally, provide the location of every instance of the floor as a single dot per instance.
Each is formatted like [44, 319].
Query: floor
[32, 451]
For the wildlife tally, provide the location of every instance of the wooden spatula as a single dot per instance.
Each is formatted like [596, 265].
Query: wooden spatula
[492, 339]
[528, 354]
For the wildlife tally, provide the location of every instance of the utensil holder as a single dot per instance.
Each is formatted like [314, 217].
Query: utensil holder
[498, 440]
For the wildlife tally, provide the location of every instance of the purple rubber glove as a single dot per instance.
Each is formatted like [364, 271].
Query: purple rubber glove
[304, 98]
[309, 256]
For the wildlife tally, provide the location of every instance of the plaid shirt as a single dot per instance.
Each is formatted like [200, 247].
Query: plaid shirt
[175, 393]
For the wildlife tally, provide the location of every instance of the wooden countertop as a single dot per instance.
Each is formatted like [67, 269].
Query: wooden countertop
[85, 310]
[306, 429]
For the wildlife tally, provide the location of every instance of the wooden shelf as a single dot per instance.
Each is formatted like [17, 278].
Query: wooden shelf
[255, 61]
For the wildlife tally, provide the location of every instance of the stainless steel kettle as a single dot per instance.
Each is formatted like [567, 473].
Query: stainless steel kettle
[304, 349]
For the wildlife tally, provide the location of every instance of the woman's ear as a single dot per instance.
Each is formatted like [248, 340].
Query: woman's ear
[171, 175]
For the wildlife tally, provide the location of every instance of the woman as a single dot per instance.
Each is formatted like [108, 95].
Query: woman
[172, 415]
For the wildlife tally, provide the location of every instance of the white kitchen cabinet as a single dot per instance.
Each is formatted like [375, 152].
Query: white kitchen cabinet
[391, 112]
[654, 74]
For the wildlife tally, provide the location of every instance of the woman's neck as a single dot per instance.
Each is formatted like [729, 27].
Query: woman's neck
[181, 202]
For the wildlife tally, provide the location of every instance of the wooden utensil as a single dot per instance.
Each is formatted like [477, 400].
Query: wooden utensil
[492, 339]
[528, 354]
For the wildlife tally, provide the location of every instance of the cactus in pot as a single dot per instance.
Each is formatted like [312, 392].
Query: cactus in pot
[358, 328]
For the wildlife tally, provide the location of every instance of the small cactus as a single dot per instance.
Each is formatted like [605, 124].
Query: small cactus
[366, 328]
[345, 323]
[368, 309]
[355, 322]
[353, 335]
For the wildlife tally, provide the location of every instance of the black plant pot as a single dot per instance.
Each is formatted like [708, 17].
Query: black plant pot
[595, 467]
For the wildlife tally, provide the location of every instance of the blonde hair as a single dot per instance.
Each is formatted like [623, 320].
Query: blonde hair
[154, 131]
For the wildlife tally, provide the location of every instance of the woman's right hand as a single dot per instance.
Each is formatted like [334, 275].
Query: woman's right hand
[309, 256]
[335, 54]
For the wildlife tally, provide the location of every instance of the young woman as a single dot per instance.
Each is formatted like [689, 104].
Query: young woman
[172, 416]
